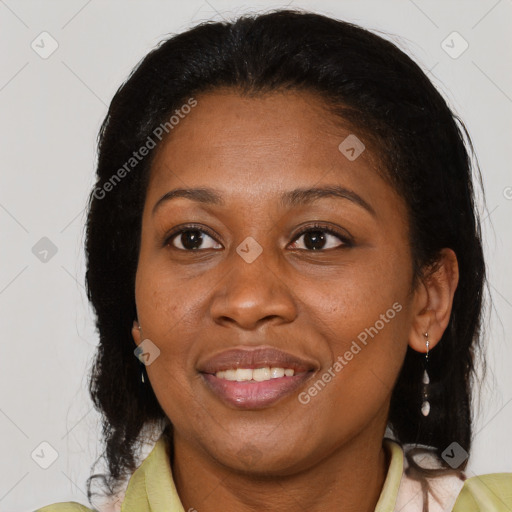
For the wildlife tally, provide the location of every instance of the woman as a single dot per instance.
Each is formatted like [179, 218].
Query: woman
[285, 262]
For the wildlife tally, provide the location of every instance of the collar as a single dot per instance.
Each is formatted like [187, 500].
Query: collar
[151, 487]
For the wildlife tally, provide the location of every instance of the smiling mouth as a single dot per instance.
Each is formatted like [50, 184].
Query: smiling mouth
[246, 388]
[255, 374]
[255, 378]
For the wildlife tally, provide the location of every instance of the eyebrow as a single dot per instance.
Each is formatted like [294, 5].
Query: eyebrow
[296, 197]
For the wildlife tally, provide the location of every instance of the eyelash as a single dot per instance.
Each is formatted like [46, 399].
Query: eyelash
[346, 241]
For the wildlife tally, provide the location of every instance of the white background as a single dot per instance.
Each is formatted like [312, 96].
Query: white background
[50, 113]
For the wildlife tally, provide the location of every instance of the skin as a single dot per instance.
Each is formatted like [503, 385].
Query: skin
[327, 454]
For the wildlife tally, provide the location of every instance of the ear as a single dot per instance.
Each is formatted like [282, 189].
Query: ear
[433, 300]
[136, 332]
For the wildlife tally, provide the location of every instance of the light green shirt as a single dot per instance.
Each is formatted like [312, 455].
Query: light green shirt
[151, 489]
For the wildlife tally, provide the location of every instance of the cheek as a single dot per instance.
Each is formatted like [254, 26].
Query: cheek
[356, 297]
[356, 384]
[165, 310]
[163, 303]
[363, 316]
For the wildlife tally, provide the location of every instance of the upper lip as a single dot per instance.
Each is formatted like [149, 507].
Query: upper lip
[255, 358]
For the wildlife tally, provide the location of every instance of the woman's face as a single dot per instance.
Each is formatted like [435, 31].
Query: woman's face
[244, 278]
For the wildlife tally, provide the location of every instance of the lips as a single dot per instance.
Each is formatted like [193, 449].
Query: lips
[255, 358]
[253, 395]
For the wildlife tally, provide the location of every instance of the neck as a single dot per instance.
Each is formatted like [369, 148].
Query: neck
[350, 478]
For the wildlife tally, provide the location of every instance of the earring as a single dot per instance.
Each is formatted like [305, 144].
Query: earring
[425, 406]
[142, 366]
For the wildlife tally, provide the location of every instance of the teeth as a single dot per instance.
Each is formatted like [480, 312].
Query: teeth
[257, 375]
[242, 374]
[277, 372]
[261, 374]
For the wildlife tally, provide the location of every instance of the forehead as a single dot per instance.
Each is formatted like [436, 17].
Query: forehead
[255, 147]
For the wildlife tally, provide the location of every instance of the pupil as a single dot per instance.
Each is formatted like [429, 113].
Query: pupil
[316, 238]
[191, 239]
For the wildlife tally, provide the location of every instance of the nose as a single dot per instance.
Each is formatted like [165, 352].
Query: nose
[253, 293]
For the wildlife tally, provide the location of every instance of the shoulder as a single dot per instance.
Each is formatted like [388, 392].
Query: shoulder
[491, 492]
[70, 506]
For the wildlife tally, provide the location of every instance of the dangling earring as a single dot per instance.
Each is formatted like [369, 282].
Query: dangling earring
[425, 406]
[142, 366]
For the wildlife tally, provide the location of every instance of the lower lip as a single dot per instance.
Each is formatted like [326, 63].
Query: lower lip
[254, 395]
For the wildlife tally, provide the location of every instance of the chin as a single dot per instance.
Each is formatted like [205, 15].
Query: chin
[260, 459]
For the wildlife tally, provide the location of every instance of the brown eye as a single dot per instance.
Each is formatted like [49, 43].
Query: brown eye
[192, 239]
[318, 238]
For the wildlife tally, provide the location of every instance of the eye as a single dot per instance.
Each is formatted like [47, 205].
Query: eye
[192, 238]
[316, 238]
[319, 238]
